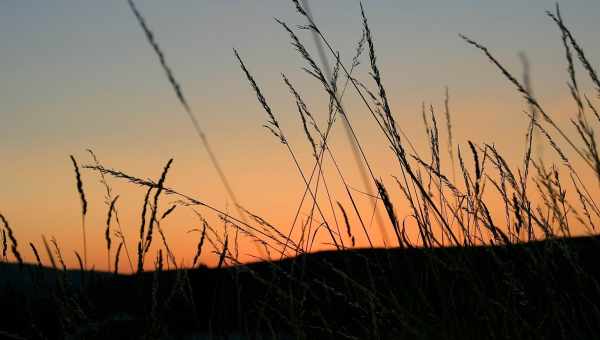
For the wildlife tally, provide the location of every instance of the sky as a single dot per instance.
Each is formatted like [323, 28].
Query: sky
[80, 74]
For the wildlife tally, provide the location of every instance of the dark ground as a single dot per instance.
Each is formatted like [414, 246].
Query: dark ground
[545, 289]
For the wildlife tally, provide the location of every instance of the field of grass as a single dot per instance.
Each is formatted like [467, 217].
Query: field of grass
[486, 249]
[506, 292]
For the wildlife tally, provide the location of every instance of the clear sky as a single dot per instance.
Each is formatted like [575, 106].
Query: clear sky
[80, 74]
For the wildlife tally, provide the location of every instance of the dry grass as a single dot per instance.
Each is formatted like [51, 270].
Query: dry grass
[84, 204]
[441, 207]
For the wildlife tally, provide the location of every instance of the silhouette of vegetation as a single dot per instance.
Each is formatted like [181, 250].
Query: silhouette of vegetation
[483, 249]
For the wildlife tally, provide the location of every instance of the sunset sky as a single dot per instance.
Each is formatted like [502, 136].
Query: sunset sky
[80, 74]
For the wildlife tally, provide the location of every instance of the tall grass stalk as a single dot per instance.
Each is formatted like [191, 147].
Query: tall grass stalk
[84, 204]
[187, 108]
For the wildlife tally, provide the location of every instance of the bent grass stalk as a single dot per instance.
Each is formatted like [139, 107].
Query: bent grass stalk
[273, 126]
[187, 108]
[108, 200]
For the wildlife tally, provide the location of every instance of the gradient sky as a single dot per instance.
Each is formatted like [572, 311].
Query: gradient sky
[80, 74]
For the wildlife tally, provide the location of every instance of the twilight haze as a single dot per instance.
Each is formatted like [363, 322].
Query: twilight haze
[81, 74]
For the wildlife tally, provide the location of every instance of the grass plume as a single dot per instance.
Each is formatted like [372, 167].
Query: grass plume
[13, 241]
[84, 204]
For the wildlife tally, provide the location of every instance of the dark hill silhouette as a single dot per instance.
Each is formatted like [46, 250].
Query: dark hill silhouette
[544, 289]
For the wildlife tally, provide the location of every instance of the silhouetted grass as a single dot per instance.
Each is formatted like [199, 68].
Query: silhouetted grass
[456, 268]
